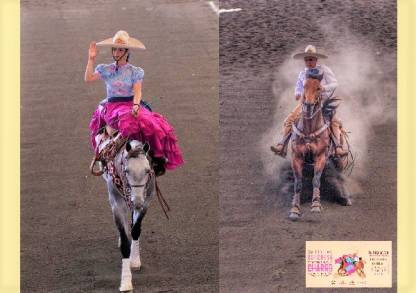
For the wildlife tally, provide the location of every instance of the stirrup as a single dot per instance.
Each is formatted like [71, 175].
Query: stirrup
[93, 171]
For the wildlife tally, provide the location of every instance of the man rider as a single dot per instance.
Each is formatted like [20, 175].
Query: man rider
[328, 86]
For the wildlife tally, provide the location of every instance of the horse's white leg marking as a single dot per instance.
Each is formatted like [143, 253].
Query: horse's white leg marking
[135, 261]
[126, 283]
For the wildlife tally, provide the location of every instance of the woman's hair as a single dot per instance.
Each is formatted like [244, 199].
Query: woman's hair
[127, 52]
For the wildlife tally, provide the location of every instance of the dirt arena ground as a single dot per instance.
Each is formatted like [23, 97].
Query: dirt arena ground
[260, 249]
[68, 239]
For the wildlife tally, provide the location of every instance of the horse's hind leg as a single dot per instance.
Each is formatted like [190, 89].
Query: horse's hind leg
[297, 167]
[316, 182]
[345, 196]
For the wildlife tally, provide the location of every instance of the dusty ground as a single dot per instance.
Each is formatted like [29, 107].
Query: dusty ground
[68, 239]
[260, 249]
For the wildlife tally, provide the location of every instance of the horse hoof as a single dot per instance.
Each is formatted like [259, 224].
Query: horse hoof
[316, 209]
[346, 202]
[294, 216]
[126, 287]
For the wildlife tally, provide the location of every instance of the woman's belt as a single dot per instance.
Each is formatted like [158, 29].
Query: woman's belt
[128, 99]
[120, 99]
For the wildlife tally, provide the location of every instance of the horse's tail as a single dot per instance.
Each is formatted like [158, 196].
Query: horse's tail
[329, 106]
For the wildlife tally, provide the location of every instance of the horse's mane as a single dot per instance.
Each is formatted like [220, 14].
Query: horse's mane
[329, 107]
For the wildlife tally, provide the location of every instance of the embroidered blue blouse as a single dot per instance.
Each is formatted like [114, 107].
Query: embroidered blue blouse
[119, 83]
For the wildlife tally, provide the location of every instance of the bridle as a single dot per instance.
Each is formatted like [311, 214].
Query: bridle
[318, 109]
[150, 176]
[135, 154]
[304, 105]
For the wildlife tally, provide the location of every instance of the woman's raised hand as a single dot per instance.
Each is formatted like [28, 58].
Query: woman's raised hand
[92, 51]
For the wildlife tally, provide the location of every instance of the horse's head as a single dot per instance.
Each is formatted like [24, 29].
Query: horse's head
[312, 92]
[138, 171]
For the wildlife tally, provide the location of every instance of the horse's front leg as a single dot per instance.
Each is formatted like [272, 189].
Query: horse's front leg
[122, 216]
[297, 167]
[140, 209]
[319, 166]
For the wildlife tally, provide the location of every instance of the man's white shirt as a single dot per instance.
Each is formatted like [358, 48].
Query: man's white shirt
[329, 83]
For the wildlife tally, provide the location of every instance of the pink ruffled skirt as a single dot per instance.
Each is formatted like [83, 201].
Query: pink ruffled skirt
[148, 127]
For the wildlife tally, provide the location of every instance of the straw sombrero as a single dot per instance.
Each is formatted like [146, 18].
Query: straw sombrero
[310, 51]
[122, 40]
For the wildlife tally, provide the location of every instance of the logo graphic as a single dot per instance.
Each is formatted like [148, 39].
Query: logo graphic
[350, 264]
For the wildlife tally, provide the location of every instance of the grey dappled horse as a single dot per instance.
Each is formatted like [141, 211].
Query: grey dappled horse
[133, 162]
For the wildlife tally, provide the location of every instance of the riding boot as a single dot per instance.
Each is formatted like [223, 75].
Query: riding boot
[158, 164]
[280, 148]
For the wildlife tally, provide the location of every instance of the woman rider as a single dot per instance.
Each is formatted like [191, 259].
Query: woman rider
[123, 110]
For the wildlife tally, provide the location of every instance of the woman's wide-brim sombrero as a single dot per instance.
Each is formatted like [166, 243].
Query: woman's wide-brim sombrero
[122, 40]
[310, 51]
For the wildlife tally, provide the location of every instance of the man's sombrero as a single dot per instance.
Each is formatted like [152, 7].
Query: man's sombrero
[310, 51]
[122, 40]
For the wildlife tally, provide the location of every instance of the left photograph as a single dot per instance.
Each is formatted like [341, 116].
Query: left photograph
[119, 135]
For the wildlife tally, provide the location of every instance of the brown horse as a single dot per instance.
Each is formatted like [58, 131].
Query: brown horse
[310, 141]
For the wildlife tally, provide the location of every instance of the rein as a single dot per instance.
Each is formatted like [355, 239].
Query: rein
[162, 201]
[314, 113]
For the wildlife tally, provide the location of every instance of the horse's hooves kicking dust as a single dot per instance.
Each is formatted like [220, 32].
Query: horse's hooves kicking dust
[332, 188]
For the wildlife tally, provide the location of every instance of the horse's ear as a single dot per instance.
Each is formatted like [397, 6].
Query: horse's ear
[128, 146]
[146, 147]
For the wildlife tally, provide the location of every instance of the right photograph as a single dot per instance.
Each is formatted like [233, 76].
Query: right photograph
[308, 102]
